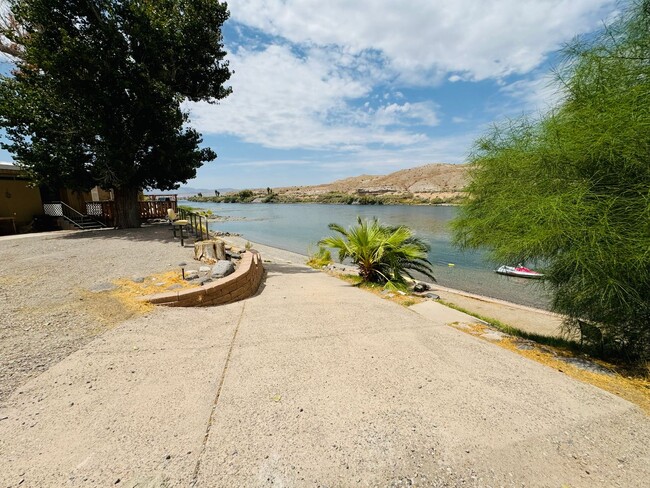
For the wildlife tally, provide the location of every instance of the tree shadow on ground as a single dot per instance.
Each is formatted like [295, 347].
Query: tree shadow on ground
[288, 268]
[148, 232]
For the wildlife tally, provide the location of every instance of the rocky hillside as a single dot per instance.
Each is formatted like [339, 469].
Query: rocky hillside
[431, 182]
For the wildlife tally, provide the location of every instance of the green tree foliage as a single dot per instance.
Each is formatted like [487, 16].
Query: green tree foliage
[572, 189]
[383, 254]
[95, 95]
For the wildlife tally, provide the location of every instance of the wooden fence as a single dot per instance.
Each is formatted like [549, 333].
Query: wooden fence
[105, 210]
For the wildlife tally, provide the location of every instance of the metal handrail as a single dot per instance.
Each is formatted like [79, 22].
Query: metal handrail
[195, 223]
[67, 212]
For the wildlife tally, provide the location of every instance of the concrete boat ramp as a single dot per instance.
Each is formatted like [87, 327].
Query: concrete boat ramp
[313, 383]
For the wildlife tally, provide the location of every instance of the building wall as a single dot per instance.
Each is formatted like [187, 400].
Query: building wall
[19, 201]
[75, 199]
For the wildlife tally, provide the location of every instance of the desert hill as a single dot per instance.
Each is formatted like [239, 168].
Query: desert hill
[429, 182]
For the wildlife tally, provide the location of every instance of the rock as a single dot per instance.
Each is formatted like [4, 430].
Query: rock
[101, 287]
[420, 287]
[493, 335]
[205, 269]
[138, 279]
[191, 274]
[432, 296]
[233, 255]
[204, 280]
[586, 365]
[222, 268]
[174, 287]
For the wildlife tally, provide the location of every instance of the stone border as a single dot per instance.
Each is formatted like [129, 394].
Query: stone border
[241, 284]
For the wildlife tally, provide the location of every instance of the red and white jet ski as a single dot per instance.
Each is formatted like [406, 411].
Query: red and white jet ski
[520, 271]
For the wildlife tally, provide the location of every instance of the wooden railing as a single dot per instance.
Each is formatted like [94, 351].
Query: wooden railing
[197, 223]
[105, 210]
[156, 209]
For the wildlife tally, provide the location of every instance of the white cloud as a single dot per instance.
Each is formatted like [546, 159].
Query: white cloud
[339, 77]
[421, 113]
[283, 100]
[537, 94]
[266, 163]
[424, 39]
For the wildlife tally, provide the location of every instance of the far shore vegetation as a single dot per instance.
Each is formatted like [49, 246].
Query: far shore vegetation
[333, 197]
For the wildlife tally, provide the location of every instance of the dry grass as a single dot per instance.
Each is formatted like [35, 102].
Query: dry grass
[121, 304]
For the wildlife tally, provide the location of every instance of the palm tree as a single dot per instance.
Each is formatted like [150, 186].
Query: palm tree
[383, 254]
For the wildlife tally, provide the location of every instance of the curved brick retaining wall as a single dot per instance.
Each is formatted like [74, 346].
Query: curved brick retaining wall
[241, 284]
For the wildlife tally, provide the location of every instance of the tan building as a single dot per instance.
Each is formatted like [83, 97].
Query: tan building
[19, 201]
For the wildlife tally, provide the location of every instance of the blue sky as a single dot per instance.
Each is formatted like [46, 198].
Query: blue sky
[326, 90]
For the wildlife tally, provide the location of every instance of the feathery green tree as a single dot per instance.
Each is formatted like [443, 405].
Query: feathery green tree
[95, 96]
[572, 189]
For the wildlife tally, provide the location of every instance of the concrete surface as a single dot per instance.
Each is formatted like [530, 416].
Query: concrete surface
[313, 383]
[524, 318]
[439, 313]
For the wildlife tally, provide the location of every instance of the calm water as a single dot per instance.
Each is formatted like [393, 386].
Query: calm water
[297, 228]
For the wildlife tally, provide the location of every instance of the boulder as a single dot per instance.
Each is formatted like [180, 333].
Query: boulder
[421, 287]
[222, 268]
[191, 274]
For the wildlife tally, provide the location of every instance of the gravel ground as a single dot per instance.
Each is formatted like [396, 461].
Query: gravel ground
[47, 307]
[47, 310]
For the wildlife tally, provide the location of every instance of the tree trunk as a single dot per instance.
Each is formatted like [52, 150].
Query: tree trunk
[127, 209]
[209, 251]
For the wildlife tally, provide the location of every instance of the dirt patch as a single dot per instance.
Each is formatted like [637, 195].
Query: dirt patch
[47, 307]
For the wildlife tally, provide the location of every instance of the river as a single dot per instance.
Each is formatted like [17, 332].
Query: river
[298, 227]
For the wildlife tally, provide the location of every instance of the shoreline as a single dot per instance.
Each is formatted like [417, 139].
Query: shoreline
[382, 204]
[523, 317]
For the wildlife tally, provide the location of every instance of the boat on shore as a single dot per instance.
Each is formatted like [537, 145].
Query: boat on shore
[519, 271]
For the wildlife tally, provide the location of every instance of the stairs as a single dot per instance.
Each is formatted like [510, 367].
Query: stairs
[71, 217]
[86, 222]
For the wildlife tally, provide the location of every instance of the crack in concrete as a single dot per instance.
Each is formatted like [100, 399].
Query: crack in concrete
[197, 467]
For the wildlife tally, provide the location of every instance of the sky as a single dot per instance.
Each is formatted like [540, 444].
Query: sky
[327, 90]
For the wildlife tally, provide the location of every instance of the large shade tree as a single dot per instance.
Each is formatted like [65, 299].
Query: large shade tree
[95, 96]
[572, 188]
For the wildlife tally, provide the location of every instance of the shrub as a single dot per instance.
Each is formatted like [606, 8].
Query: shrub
[320, 258]
[384, 254]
